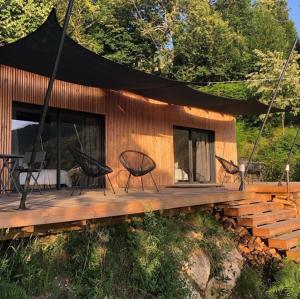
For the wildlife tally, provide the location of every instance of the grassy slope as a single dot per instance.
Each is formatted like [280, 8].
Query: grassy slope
[141, 259]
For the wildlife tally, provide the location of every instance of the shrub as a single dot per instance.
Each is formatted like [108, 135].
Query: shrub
[11, 291]
[250, 285]
[287, 282]
[272, 150]
[143, 258]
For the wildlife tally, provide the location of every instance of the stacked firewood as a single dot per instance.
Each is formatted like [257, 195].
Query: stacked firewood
[254, 249]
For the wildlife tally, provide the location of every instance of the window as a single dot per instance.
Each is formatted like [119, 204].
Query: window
[63, 128]
[194, 158]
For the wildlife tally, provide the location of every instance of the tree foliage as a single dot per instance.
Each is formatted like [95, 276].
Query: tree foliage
[264, 80]
[185, 39]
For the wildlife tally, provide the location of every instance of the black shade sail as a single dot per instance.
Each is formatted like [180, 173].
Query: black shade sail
[36, 53]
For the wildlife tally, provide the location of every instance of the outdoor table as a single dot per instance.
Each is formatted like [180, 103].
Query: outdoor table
[10, 162]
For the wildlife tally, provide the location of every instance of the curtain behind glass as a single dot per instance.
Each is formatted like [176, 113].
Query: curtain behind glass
[201, 156]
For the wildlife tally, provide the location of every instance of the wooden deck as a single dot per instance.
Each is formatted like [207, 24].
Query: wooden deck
[60, 207]
[273, 187]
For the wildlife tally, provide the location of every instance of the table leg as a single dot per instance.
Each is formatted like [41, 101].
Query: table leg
[11, 175]
[5, 165]
[2, 186]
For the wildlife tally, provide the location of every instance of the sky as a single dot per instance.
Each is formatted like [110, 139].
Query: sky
[295, 12]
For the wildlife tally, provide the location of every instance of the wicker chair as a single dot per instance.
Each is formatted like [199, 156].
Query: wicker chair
[229, 168]
[90, 168]
[137, 164]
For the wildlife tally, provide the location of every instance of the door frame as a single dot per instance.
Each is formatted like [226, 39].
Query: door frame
[212, 162]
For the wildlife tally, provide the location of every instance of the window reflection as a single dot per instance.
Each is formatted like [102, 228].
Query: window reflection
[62, 130]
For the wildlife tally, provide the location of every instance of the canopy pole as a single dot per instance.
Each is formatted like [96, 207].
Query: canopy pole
[281, 76]
[287, 162]
[22, 205]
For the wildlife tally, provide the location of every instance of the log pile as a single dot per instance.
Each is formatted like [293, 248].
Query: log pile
[254, 249]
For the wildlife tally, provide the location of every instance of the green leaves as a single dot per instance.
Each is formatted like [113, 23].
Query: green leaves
[194, 40]
[22, 17]
[264, 80]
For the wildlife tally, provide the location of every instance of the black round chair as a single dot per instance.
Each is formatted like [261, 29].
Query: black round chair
[137, 164]
[229, 168]
[90, 168]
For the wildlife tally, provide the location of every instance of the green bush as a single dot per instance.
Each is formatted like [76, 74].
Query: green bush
[287, 282]
[143, 258]
[11, 291]
[250, 285]
[28, 264]
[215, 241]
[134, 260]
[272, 150]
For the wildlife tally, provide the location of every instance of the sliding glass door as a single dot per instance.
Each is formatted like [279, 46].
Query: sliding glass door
[194, 156]
[63, 129]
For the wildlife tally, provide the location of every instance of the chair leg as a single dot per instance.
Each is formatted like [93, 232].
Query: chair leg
[142, 183]
[81, 186]
[154, 182]
[236, 177]
[35, 179]
[112, 187]
[76, 185]
[224, 176]
[127, 184]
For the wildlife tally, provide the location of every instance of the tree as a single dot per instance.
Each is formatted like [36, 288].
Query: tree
[106, 27]
[194, 40]
[22, 17]
[205, 47]
[264, 24]
[264, 80]
[271, 29]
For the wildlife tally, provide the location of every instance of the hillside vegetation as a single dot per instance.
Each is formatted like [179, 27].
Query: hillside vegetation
[140, 259]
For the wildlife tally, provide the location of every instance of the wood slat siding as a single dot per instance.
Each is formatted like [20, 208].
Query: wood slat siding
[131, 121]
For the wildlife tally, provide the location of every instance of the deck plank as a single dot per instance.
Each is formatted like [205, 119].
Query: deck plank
[58, 207]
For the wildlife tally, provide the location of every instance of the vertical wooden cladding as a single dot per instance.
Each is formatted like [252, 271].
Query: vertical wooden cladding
[131, 121]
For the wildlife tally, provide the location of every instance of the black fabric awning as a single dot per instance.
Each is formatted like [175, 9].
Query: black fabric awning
[36, 53]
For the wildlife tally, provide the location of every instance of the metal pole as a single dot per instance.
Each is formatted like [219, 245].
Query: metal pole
[281, 76]
[45, 107]
[287, 162]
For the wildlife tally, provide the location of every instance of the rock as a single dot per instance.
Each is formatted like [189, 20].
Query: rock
[222, 287]
[195, 295]
[198, 269]
[196, 236]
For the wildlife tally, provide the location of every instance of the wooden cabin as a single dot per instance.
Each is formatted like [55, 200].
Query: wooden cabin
[105, 108]
[181, 140]
[108, 108]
